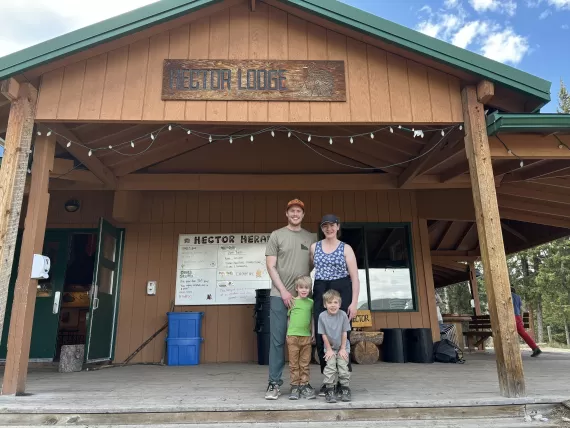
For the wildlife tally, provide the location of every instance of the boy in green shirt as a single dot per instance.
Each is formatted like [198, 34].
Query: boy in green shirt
[300, 336]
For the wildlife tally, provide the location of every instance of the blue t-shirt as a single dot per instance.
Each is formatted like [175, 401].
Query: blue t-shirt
[517, 303]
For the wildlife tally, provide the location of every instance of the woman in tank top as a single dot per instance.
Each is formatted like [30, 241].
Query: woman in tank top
[336, 269]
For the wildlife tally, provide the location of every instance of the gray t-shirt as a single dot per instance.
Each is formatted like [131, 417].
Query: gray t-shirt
[334, 326]
[293, 257]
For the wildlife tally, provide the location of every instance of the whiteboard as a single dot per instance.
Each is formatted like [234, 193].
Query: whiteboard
[221, 269]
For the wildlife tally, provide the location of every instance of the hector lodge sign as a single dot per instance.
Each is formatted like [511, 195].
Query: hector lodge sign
[253, 80]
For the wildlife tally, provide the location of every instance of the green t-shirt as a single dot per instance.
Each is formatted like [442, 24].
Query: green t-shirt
[300, 316]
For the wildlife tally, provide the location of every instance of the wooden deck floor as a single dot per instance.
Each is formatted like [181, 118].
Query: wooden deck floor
[241, 387]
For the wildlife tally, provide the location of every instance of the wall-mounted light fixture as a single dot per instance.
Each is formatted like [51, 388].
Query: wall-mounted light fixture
[72, 205]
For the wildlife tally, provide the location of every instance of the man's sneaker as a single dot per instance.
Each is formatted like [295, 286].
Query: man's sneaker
[308, 392]
[330, 396]
[272, 392]
[536, 352]
[345, 394]
[323, 390]
[295, 392]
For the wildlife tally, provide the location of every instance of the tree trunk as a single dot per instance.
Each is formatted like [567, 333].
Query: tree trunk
[567, 331]
[539, 321]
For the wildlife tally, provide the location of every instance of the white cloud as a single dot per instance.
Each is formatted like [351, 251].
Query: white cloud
[429, 28]
[505, 46]
[502, 6]
[560, 4]
[450, 4]
[565, 27]
[28, 22]
[545, 14]
[468, 32]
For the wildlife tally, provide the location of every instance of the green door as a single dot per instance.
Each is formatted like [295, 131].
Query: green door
[104, 294]
[48, 298]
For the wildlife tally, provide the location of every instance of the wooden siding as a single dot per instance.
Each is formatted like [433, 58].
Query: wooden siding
[125, 83]
[151, 252]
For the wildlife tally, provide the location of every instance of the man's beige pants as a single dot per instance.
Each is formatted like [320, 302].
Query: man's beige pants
[336, 371]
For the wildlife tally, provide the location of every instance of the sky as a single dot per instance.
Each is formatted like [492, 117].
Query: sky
[528, 34]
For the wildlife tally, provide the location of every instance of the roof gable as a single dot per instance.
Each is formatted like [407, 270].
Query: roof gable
[533, 87]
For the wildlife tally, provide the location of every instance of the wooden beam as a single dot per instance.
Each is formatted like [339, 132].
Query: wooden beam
[529, 146]
[427, 153]
[455, 171]
[20, 335]
[81, 154]
[554, 182]
[9, 89]
[468, 231]
[537, 170]
[13, 174]
[536, 191]
[452, 265]
[444, 235]
[474, 288]
[529, 217]
[454, 255]
[507, 351]
[251, 5]
[485, 91]
[507, 166]
[429, 285]
[513, 232]
[533, 206]
[450, 155]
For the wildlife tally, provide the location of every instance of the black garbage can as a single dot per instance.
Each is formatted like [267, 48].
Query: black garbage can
[418, 345]
[262, 325]
[393, 347]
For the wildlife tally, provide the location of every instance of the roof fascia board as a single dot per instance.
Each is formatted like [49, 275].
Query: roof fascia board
[396, 34]
[101, 32]
[522, 123]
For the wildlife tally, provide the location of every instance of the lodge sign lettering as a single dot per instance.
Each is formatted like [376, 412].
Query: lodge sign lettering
[253, 80]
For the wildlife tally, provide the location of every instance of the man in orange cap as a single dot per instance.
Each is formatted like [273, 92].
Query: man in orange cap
[288, 257]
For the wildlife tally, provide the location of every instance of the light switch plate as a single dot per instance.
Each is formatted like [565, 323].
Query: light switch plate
[151, 288]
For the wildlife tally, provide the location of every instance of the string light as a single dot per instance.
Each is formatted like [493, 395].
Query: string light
[39, 132]
[522, 164]
[152, 136]
[330, 140]
[309, 139]
[272, 133]
[289, 134]
[442, 133]
[132, 145]
[391, 130]
[509, 151]
[231, 140]
[461, 127]
[68, 144]
[110, 147]
[351, 140]
[90, 153]
[48, 133]
[251, 138]
[210, 138]
[170, 127]
[372, 135]
[188, 132]
[560, 146]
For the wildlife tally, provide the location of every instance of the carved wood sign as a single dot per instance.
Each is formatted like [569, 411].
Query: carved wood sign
[254, 80]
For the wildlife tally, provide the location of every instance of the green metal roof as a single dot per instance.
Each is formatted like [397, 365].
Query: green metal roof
[332, 10]
[533, 123]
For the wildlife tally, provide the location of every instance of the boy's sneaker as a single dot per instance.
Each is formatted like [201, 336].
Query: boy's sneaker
[330, 396]
[345, 394]
[536, 352]
[338, 391]
[272, 392]
[295, 392]
[323, 390]
[308, 392]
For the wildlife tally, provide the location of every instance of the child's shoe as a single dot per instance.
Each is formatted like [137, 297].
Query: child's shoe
[308, 392]
[295, 392]
[323, 390]
[330, 395]
[345, 393]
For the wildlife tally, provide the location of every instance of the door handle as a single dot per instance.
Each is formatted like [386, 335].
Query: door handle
[56, 300]
[95, 303]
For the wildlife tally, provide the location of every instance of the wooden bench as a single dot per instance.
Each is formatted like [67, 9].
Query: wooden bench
[480, 329]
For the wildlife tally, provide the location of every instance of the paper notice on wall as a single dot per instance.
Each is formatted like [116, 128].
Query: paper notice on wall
[220, 269]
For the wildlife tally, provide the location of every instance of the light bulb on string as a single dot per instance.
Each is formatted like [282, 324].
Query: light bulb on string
[372, 135]
[170, 127]
[68, 144]
[272, 133]
[39, 132]
[110, 147]
[132, 145]
[330, 141]
[231, 140]
[188, 132]
[399, 126]
[522, 164]
[391, 130]
[442, 133]
[90, 153]
[152, 136]
[351, 140]
[210, 138]
[560, 146]
[461, 127]
[48, 133]
[289, 134]
[309, 139]
[509, 151]
[251, 138]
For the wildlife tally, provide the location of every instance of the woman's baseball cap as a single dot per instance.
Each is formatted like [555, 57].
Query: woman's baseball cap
[330, 218]
[296, 202]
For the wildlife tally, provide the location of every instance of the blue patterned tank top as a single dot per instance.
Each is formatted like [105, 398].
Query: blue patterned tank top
[330, 266]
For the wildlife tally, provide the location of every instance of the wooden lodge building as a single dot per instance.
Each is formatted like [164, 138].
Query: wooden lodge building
[204, 117]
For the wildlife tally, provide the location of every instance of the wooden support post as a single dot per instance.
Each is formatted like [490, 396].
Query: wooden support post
[474, 289]
[485, 91]
[20, 334]
[13, 178]
[509, 361]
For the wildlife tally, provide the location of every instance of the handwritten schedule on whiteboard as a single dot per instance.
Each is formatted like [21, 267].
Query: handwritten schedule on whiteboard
[221, 269]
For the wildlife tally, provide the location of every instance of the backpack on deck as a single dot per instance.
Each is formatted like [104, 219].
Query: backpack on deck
[445, 351]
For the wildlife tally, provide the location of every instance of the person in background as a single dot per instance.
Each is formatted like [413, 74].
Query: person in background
[287, 257]
[333, 328]
[517, 305]
[300, 336]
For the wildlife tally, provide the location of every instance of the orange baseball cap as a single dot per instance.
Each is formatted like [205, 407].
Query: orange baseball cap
[297, 202]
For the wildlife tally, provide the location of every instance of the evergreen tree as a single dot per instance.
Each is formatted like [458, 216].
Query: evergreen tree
[563, 99]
